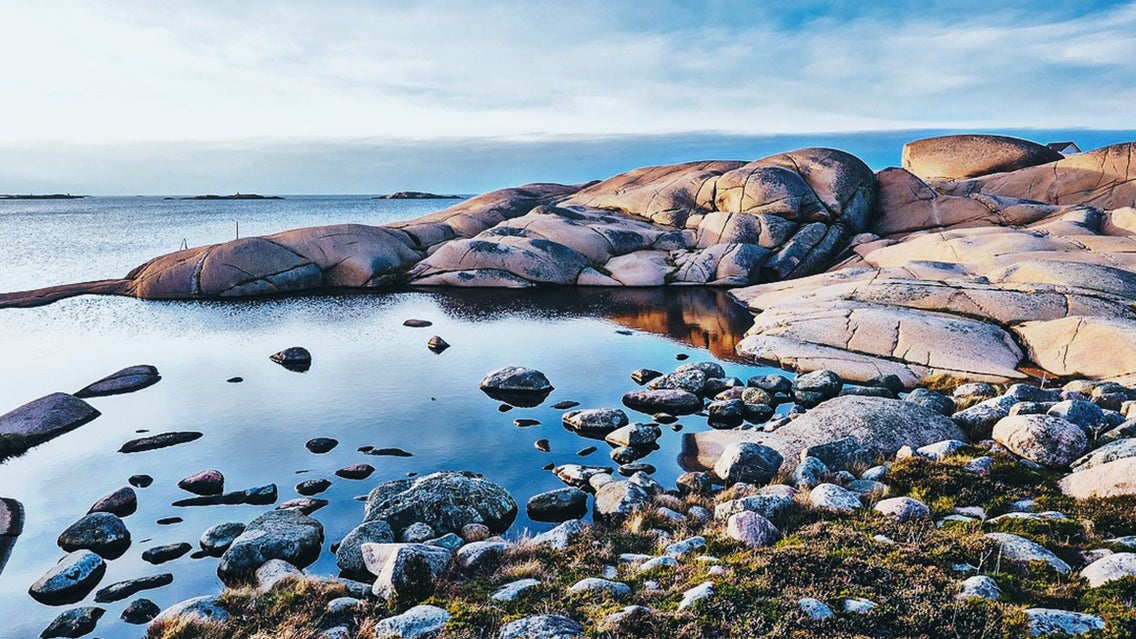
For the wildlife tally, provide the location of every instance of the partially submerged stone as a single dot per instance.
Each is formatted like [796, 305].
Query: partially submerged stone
[127, 380]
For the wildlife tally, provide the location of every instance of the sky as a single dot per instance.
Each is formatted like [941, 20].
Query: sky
[127, 96]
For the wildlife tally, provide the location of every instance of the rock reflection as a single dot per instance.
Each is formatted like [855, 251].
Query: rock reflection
[701, 317]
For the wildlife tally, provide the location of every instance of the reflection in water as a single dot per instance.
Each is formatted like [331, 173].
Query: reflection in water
[702, 317]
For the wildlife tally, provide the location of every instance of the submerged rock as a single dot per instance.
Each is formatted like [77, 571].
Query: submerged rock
[163, 440]
[126, 380]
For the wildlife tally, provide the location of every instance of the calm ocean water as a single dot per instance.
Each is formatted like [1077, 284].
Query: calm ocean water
[373, 381]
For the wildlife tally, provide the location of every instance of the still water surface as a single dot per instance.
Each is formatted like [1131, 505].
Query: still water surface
[373, 382]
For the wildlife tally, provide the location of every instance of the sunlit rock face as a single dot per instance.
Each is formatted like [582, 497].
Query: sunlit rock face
[975, 278]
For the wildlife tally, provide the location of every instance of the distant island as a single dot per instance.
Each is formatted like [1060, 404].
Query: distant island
[416, 195]
[235, 196]
[49, 196]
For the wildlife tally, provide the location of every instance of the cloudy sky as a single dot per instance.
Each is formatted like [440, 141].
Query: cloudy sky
[125, 96]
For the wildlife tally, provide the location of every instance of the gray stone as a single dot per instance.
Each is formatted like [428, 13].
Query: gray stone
[903, 508]
[446, 501]
[480, 554]
[685, 546]
[206, 482]
[729, 412]
[140, 611]
[349, 555]
[294, 358]
[416, 623]
[695, 483]
[814, 609]
[277, 534]
[512, 590]
[47, 417]
[980, 586]
[595, 422]
[835, 498]
[1044, 439]
[74, 623]
[674, 402]
[634, 435]
[122, 502]
[932, 400]
[747, 462]
[1020, 549]
[693, 595]
[617, 500]
[810, 472]
[542, 627]
[516, 379]
[102, 533]
[810, 389]
[752, 529]
[123, 589]
[70, 580]
[217, 539]
[859, 605]
[768, 506]
[417, 533]
[940, 450]
[690, 380]
[839, 454]
[1110, 568]
[407, 572]
[275, 571]
[126, 380]
[615, 589]
[560, 537]
[197, 609]
[1048, 621]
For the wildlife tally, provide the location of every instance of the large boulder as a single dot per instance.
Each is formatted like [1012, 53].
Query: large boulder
[446, 501]
[288, 535]
[1110, 479]
[406, 572]
[1044, 439]
[349, 556]
[102, 533]
[962, 156]
[881, 425]
[747, 462]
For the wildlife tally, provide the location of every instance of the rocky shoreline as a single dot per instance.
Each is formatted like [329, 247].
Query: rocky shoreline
[955, 458]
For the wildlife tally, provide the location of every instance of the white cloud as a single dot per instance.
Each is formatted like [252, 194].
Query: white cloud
[143, 71]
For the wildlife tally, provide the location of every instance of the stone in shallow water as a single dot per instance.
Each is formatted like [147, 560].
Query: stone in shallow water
[122, 502]
[312, 486]
[320, 445]
[140, 611]
[123, 589]
[558, 505]
[162, 440]
[168, 552]
[446, 501]
[70, 580]
[126, 380]
[356, 471]
[206, 482]
[73, 623]
[102, 533]
[294, 358]
[140, 481]
[47, 417]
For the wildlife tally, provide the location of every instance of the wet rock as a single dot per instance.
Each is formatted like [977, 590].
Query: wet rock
[617, 500]
[416, 623]
[320, 445]
[634, 435]
[643, 375]
[728, 412]
[70, 580]
[558, 505]
[587, 450]
[154, 442]
[810, 472]
[1085, 414]
[294, 358]
[446, 501]
[168, 521]
[405, 571]
[102, 533]
[390, 451]
[126, 380]
[277, 534]
[122, 503]
[525, 422]
[140, 611]
[595, 422]
[693, 595]
[46, 418]
[311, 487]
[691, 380]
[417, 323]
[516, 385]
[235, 380]
[543, 445]
[1044, 439]
[542, 627]
[1045, 622]
[76, 622]
[140, 481]
[747, 462]
[162, 554]
[674, 402]
[635, 468]
[206, 482]
[355, 471]
[565, 405]
[577, 475]
[123, 589]
[437, 345]
[306, 505]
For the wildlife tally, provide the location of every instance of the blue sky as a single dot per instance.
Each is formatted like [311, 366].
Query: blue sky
[119, 86]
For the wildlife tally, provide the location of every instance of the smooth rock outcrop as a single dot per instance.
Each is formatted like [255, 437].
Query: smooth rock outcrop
[963, 156]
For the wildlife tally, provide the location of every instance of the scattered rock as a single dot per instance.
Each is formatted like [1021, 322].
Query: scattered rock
[1044, 439]
[154, 442]
[206, 482]
[835, 498]
[752, 529]
[277, 534]
[126, 380]
[859, 606]
[306, 505]
[123, 589]
[405, 571]
[273, 572]
[321, 445]
[446, 501]
[542, 627]
[1015, 548]
[903, 508]
[674, 402]
[140, 481]
[595, 422]
[565, 405]
[614, 589]
[810, 389]
[294, 358]
[311, 487]
[747, 462]
[814, 609]
[980, 586]
[1047, 621]
[516, 385]
[693, 595]
[1110, 568]
[70, 580]
[355, 471]
[416, 623]
[162, 554]
[204, 608]
[560, 537]
[558, 505]
[349, 555]
[74, 623]
[418, 323]
[102, 533]
[140, 611]
[643, 375]
[617, 500]
[437, 345]
[122, 503]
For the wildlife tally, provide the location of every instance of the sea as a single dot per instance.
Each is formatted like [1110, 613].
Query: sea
[372, 382]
